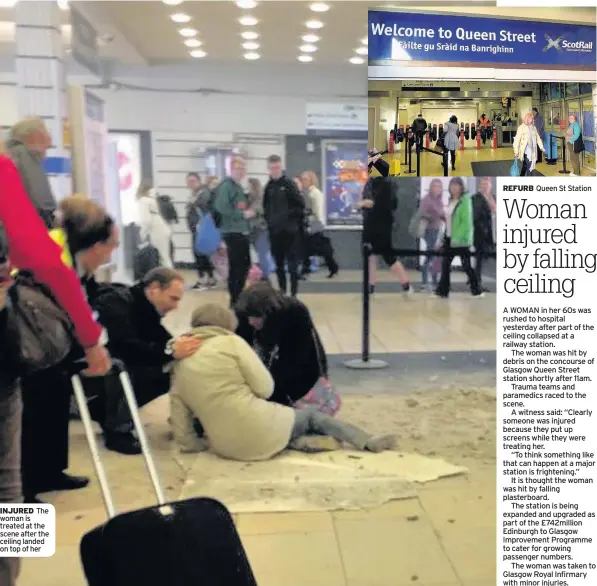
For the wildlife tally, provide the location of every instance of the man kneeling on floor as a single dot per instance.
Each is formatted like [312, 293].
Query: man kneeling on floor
[225, 386]
[132, 317]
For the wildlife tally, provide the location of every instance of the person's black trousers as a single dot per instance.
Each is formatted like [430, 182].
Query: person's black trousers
[44, 439]
[443, 288]
[319, 244]
[539, 155]
[481, 254]
[239, 263]
[107, 404]
[286, 250]
[203, 263]
[526, 165]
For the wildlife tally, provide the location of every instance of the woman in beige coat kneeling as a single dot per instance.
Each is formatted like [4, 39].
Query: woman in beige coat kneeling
[225, 386]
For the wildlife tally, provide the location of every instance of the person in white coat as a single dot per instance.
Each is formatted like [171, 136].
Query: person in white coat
[153, 227]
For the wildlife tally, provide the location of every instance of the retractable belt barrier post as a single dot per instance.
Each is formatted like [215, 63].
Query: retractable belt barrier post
[420, 148]
[564, 170]
[365, 362]
[410, 153]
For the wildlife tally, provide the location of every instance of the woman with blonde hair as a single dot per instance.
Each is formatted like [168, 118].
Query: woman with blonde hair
[316, 242]
[154, 230]
[526, 141]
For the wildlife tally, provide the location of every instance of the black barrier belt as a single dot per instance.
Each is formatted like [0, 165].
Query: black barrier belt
[367, 253]
[443, 155]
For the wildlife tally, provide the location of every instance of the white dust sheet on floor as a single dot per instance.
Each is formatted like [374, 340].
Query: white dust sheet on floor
[311, 482]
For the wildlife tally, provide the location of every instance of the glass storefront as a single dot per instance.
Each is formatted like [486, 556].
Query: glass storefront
[558, 101]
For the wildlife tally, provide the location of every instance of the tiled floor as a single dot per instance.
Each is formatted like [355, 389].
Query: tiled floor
[431, 164]
[445, 537]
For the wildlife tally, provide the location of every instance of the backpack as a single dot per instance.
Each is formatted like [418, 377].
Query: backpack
[167, 209]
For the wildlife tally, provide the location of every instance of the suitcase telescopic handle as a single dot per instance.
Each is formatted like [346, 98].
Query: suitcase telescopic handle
[119, 369]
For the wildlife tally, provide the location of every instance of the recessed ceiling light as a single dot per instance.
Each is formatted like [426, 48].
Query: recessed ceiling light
[357, 60]
[251, 46]
[248, 20]
[193, 43]
[246, 4]
[365, 41]
[310, 38]
[249, 35]
[187, 32]
[180, 17]
[361, 51]
[305, 58]
[319, 7]
[62, 4]
[251, 56]
[308, 48]
[198, 54]
[314, 24]
[172, 2]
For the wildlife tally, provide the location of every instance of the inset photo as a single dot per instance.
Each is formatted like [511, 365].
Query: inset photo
[498, 92]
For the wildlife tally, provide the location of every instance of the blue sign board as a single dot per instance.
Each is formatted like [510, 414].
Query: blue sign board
[406, 36]
[345, 173]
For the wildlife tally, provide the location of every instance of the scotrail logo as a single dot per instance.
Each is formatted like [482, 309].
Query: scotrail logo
[561, 44]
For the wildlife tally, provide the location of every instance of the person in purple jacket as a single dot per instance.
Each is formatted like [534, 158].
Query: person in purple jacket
[433, 214]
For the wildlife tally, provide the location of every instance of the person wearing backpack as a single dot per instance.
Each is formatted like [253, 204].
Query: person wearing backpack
[197, 207]
[154, 230]
[231, 214]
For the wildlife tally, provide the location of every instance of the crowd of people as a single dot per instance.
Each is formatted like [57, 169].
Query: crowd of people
[282, 221]
[248, 381]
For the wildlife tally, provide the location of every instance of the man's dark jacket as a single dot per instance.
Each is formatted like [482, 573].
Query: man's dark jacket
[283, 206]
[483, 223]
[134, 327]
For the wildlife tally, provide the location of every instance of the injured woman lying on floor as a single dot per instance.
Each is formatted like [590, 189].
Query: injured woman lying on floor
[226, 387]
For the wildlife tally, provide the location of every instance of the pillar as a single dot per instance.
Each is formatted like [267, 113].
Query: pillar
[41, 82]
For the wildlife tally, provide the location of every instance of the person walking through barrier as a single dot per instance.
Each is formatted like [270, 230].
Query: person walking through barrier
[284, 209]
[451, 133]
[526, 143]
[379, 204]
[574, 144]
[432, 217]
[458, 238]
[259, 234]
[540, 126]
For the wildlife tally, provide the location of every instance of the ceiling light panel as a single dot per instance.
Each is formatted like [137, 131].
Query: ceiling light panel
[308, 48]
[361, 51]
[193, 43]
[248, 20]
[172, 2]
[249, 35]
[305, 58]
[180, 18]
[314, 24]
[246, 4]
[197, 54]
[319, 7]
[252, 56]
[364, 41]
[357, 60]
[250, 46]
[310, 38]
[188, 32]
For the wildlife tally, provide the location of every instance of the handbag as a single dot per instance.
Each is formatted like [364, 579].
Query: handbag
[46, 331]
[207, 237]
[323, 395]
[579, 144]
[146, 259]
[515, 169]
[418, 225]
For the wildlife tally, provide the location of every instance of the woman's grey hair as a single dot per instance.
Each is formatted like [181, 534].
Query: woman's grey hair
[571, 115]
[212, 314]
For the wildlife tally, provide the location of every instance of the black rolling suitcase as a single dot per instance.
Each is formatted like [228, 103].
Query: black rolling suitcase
[186, 543]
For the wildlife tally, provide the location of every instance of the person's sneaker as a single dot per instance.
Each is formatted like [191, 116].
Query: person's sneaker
[441, 295]
[123, 443]
[478, 295]
[407, 289]
[382, 443]
[333, 273]
[313, 444]
[211, 283]
[198, 286]
[371, 289]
